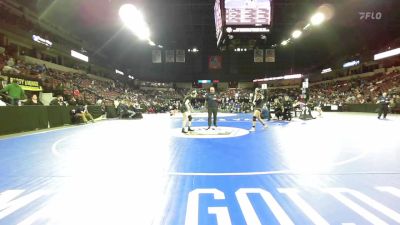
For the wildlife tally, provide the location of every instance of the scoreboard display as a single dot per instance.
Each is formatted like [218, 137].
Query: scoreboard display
[242, 16]
[248, 12]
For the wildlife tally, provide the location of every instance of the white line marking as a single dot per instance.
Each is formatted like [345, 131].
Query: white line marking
[286, 172]
[392, 190]
[54, 148]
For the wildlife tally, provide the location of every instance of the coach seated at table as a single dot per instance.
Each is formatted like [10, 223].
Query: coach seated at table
[33, 100]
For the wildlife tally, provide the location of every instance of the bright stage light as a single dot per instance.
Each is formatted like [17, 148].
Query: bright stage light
[296, 34]
[387, 54]
[152, 43]
[119, 72]
[284, 43]
[134, 20]
[352, 63]
[317, 19]
[80, 56]
[328, 70]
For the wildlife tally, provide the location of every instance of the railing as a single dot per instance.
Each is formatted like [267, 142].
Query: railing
[14, 119]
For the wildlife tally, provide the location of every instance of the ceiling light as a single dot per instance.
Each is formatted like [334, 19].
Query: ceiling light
[284, 43]
[134, 21]
[296, 34]
[317, 19]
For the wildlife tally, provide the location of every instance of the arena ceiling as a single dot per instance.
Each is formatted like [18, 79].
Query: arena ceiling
[183, 24]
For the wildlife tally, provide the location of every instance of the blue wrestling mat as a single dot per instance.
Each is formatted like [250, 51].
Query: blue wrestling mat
[339, 169]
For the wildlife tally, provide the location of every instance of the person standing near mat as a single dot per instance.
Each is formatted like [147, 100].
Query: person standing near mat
[212, 107]
[383, 102]
[187, 110]
[258, 103]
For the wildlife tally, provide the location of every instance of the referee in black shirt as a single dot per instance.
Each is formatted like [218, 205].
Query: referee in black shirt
[212, 106]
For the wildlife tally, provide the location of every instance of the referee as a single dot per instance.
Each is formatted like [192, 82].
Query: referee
[383, 102]
[212, 106]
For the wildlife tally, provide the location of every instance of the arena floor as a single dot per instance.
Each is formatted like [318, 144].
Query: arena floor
[343, 168]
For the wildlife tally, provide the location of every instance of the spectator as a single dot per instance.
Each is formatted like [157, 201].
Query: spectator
[33, 100]
[58, 101]
[15, 92]
[81, 113]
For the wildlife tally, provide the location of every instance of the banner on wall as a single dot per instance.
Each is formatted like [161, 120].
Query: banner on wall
[215, 62]
[258, 55]
[27, 85]
[180, 56]
[156, 56]
[270, 55]
[169, 56]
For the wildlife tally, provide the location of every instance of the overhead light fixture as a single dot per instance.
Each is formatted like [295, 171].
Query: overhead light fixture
[152, 43]
[317, 18]
[284, 43]
[387, 54]
[80, 56]
[352, 63]
[134, 21]
[230, 36]
[160, 46]
[195, 50]
[326, 70]
[286, 77]
[293, 76]
[263, 37]
[41, 40]
[119, 72]
[296, 34]
[229, 29]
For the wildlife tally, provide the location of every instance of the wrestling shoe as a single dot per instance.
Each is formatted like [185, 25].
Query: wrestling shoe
[190, 129]
[252, 129]
[183, 131]
[265, 126]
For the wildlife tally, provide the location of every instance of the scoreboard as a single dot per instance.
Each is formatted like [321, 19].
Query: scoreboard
[242, 16]
[248, 12]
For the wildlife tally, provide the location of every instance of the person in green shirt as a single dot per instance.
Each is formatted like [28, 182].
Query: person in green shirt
[14, 91]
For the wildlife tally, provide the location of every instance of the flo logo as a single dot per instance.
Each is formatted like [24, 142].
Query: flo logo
[370, 15]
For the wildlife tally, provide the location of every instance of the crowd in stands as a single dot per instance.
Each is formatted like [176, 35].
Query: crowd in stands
[88, 91]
